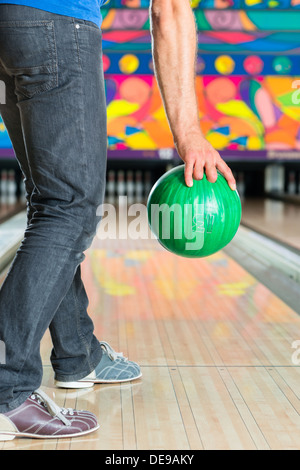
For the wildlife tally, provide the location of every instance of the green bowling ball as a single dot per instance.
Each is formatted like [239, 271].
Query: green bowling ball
[193, 222]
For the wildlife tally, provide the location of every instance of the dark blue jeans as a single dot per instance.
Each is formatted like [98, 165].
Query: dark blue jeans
[55, 114]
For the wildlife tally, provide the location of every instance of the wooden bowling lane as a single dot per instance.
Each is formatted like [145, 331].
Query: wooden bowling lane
[12, 193]
[9, 210]
[277, 219]
[214, 344]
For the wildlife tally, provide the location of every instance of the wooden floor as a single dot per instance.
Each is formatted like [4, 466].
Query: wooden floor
[277, 219]
[214, 344]
[9, 210]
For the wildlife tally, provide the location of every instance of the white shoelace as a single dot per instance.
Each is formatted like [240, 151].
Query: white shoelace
[112, 354]
[52, 407]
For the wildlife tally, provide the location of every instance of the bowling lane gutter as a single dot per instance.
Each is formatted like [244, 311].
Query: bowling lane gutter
[11, 235]
[270, 262]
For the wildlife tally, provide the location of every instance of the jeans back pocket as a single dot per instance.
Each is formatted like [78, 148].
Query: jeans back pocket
[28, 53]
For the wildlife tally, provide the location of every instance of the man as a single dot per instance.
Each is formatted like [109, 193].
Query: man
[55, 113]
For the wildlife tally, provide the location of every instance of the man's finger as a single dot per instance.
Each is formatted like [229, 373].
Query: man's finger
[188, 173]
[198, 170]
[211, 173]
[227, 173]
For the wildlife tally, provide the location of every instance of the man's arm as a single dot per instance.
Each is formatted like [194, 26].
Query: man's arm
[174, 49]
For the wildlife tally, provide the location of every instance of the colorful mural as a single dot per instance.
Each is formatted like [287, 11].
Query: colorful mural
[248, 79]
[248, 71]
[237, 112]
[215, 4]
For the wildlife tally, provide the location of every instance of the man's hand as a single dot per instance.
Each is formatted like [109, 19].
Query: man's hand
[174, 49]
[199, 156]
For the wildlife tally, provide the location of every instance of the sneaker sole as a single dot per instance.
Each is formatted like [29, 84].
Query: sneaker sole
[90, 383]
[79, 385]
[10, 436]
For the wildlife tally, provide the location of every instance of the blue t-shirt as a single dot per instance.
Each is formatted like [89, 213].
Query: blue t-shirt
[83, 9]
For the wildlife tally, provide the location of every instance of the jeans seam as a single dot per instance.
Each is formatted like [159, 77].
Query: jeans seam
[21, 24]
[77, 46]
[82, 130]
[53, 49]
[80, 335]
[82, 121]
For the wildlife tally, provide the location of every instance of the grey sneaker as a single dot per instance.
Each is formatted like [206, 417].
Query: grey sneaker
[113, 368]
[39, 417]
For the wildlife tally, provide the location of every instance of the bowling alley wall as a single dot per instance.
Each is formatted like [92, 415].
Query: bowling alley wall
[248, 80]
